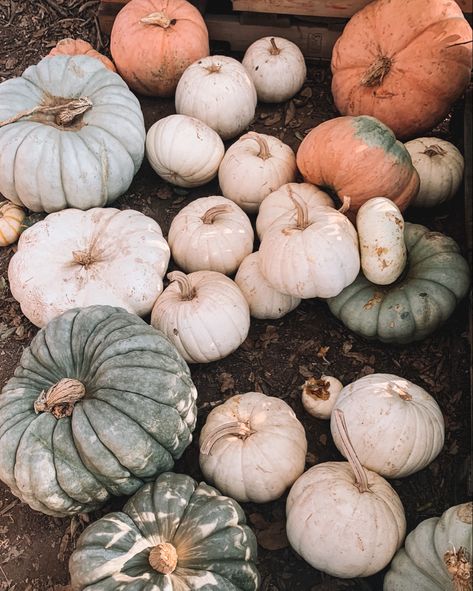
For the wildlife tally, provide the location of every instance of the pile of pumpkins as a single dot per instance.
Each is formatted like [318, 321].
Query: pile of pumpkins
[103, 403]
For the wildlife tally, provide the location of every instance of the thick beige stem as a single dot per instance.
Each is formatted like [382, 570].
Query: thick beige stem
[375, 74]
[210, 215]
[163, 558]
[83, 257]
[213, 68]
[434, 150]
[185, 286]
[274, 48]
[59, 400]
[317, 388]
[302, 213]
[346, 202]
[264, 152]
[361, 480]
[159, 19]
[458, 565]
[65, 113]
[238, 428]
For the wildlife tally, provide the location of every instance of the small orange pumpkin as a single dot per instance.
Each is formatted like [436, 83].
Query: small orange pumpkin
[70, 46]
[153, 42]
[404, 62]
[358, 158]
[11, 220]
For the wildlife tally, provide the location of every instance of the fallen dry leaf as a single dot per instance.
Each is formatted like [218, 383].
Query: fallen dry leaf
[273, 537]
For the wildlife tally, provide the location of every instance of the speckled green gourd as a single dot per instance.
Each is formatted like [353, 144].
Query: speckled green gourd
[172, 535]
[436, 278]
[100, 403]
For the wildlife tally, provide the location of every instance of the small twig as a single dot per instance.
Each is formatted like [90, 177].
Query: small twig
[8, 507]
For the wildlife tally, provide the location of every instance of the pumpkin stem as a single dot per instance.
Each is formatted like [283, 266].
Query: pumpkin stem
[83, 257]
[317, 388]
[346, 202]
[185, 286]
[396, 389]
[65, 112]
[361, 479]
[274, 48]
[213, 68]
[434, 150]
[264, 152]
[59, 400]
[375, 74]
[159, 19]
[163, 558]
[302, 213]
[458, 564]
[210, 215]
[238, 428]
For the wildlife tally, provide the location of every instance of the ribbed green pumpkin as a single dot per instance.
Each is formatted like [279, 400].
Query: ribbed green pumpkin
[172, 535]
[100, 403]
[436, 278]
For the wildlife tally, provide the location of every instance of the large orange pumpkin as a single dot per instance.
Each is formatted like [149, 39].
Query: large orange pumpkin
[70, 46]
[358, 158]
[153, 42]
[404, 62]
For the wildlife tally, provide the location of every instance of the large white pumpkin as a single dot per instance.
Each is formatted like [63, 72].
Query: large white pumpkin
[77, 258]
[440, 166]
[436, 555]
[183, 150]
[396, 427]
[218, 91]
[252, 447]
[277, 68]
[342, 519]
[82, 143]
[211, 233]
[204, 314]
[253, 167]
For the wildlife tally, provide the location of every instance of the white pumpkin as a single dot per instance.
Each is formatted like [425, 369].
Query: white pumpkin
[383, 251]
[440, 166]
[342, 519]
[84, 144]
[253, 167]
[396, 427]
[218, 91]
[11, 222]
[211, 233]
[77, 258]
[436, 555]
[278, 207]
[316, 255]
[320, 394]
[264, 301]
[277, 68]
[184, 151]
[252, 447]
[204, 314]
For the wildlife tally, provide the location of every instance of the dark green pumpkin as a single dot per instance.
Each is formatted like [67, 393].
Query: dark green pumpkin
[172, 535]
[436, 278]
[100, 403]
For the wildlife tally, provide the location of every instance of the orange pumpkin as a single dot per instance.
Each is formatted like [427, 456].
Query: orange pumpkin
[153, 42]
[358, 158]
[70, 46]
[404, 62]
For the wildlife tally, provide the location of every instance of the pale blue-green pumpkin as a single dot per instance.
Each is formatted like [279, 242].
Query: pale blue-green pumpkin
[100, 403]
[172, 535]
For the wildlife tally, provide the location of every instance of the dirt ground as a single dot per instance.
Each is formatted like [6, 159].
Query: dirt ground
[276, 358]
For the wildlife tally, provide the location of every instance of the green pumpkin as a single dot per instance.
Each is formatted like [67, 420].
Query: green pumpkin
[436, 278]
[436, 555]
[100, 403]
[172, 535]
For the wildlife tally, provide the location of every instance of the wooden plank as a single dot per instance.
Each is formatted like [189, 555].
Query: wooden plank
[323, 8]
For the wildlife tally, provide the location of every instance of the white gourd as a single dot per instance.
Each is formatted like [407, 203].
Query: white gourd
[252, 447]
[204, 314]
[184, 151]
[320, 394]
[11, 220]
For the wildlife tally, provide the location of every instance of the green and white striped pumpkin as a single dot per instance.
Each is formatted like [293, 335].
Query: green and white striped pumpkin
[172, 535]
[100, 403]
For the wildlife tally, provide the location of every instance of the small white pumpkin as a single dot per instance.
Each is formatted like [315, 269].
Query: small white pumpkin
[315, 255]
[11, 220]
[277, 68]
[342, 519]
[204, 314]
[252, 447]
[264, 301]
[211, 233]
[320, 394]
[396, 427]
[77, 258]
[436, 555]
[278, 207]
[184, 151]
[218, 91]
[383, 252]
[440, 166]
[253, 167]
